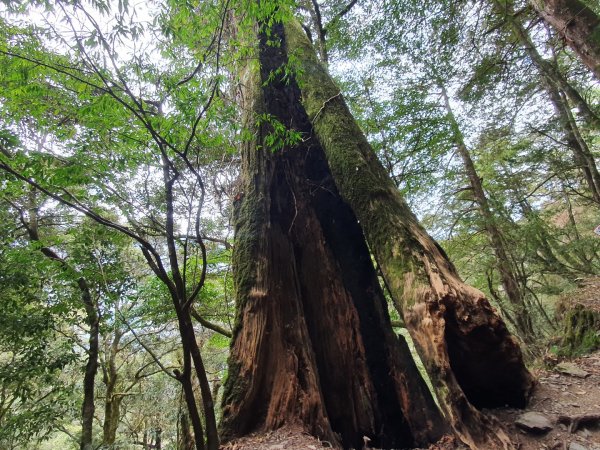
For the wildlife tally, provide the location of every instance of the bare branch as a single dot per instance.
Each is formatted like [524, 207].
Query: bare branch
[211, 326]
[148, 349]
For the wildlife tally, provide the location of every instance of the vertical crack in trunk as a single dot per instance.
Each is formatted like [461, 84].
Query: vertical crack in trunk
[452, 324]
[313, 341]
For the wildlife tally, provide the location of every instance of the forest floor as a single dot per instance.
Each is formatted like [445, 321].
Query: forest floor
[566, 398]
[286, 438]
[570, 403]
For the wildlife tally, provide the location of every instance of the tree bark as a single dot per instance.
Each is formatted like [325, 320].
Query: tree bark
[510, 283]
[185, 439]
[469, 354]
[92, 319]
[578, 25]
[91, 367]
[313, 342]
[546, 68]
[112, 402]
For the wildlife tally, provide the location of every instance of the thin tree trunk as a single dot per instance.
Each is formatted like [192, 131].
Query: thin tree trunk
[582, 155]
[464, 344]
[185, 439]
[91, 367]
[92, 320]
[158, 442]
[511, 286]
[112, 403]
[313, 342]
[577, 24]
[183, 306]
[546, 68]
[542, 243]
[185, 378]
[554, 82]
[188, 336]
[112, 414]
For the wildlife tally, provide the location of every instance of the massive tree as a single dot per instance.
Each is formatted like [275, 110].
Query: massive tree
[313, 342]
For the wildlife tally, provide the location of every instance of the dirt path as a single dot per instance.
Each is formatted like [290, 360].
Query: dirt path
[561, 398]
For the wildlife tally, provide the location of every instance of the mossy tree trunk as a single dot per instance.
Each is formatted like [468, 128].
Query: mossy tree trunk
[469, 354]
[313, 342]
[581, 330]
[577, 24]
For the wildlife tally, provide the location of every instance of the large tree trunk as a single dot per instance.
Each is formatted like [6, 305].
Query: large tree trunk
[313, 342]
[577, 24]
[464, 344]
[513, 290]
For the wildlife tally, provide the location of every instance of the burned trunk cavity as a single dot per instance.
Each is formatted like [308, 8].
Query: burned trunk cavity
[313, 341]
[426, 289]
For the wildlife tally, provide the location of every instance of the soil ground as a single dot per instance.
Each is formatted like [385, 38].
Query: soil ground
[557, 395]
[286, 438]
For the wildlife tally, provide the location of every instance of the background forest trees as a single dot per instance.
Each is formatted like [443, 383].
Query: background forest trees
[120, 130]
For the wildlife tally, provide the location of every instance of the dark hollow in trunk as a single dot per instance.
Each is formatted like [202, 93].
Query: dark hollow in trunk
[423, 283]
[313, 342]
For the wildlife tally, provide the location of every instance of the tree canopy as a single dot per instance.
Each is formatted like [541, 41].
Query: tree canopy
[171, 170]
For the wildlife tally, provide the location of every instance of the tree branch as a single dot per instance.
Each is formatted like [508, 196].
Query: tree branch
[340, 14]
[211, 326]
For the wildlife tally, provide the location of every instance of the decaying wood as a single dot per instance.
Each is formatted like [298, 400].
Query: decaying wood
[574, 423]
[313, 343]
[469, 354]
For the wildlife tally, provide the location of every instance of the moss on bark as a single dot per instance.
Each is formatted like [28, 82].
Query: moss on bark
[581, 331]
[313, 342]
[425, 286]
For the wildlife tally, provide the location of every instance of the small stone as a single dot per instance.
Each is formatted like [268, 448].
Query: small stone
[576, 446]
[534, 422]
[571, 369]
[584, 432]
